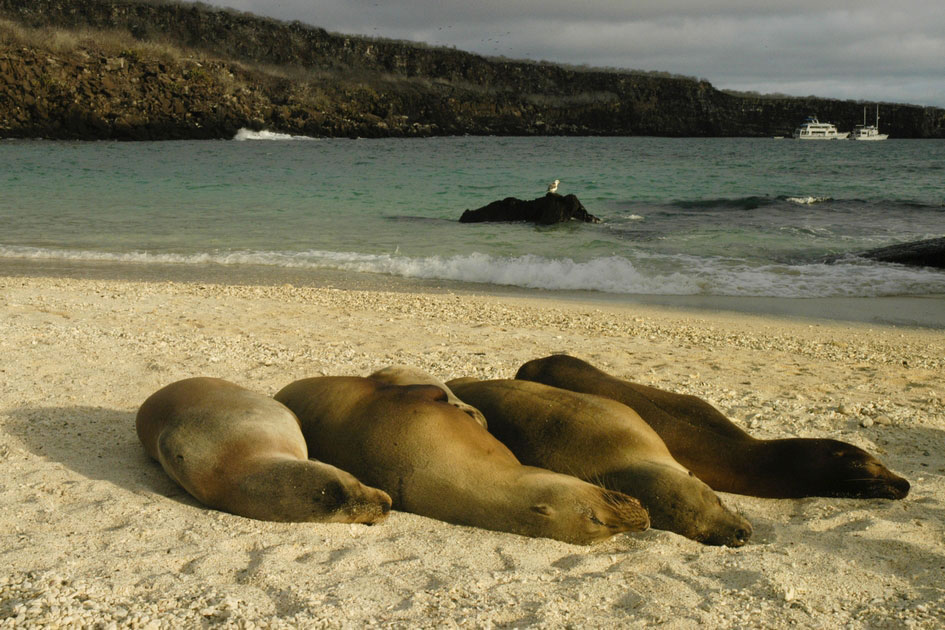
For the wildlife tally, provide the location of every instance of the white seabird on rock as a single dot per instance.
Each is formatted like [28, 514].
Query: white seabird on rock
[553, 186]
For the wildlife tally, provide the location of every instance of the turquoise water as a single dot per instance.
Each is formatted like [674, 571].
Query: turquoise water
[726, 217]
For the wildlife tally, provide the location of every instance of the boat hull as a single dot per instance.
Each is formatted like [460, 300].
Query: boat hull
[813, 129]
[841, 136]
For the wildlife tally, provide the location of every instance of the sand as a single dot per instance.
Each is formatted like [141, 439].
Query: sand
[95, 534]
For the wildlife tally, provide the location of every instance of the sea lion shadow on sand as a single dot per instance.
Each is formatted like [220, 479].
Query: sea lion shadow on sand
[95, 443]
[897, 558]
[855, 535]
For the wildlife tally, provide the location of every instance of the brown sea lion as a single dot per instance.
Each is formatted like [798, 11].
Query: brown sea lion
[720, 453]
[244, 453]
[603, 441]
[407, 375]
[437, 461]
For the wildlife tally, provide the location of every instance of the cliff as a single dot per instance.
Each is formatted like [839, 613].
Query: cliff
[154, 70]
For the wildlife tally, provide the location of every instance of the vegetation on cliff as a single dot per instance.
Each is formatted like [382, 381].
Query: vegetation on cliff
[134, 69]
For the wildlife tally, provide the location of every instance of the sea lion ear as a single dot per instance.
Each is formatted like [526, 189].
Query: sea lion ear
[541, 508]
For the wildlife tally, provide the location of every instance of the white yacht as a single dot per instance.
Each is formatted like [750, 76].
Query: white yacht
[813, 129]
[868, 132]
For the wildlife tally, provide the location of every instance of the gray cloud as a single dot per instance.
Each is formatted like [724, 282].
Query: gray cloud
[870, 51]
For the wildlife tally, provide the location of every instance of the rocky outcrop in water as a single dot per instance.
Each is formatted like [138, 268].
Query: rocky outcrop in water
[133, 69]
[927, 253]
[547, 210]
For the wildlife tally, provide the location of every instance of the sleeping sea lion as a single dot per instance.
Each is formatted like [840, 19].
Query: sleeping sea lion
[407, 375]
[437, 461]
[603, 441]
[720, 453]
[244, 453]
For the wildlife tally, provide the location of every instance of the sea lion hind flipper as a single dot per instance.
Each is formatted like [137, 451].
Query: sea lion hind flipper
[407, 375]
[425, 392]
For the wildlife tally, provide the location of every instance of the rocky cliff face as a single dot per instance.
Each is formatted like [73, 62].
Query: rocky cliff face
[182, 70]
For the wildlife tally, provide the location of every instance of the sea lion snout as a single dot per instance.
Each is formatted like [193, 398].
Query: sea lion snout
[736, 534]
[352, 501]
[900, 488]
[885, 484]
[850, 472]
[877, 484]
[742, 536]
[680, 502]
[371, 507]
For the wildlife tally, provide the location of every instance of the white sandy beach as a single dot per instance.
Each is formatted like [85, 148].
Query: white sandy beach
[95, 534]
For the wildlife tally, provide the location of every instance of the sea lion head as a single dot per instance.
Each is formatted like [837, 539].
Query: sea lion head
[830, 468]
[347, 500]
[568, 509]
[679, 502]
[298, 491]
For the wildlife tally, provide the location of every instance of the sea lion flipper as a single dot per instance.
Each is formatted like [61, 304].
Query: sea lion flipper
[425, 392]
[406, 375]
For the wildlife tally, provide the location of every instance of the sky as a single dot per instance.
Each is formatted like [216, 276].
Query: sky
[871, 50]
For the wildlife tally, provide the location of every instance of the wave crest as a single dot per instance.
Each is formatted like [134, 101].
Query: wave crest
[651, 275]
[808, 201]
[245, 134]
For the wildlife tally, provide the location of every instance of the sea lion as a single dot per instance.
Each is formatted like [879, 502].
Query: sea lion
[606, 442]
[244, 453]
[437, 461]
[721, 454]
[407, 375]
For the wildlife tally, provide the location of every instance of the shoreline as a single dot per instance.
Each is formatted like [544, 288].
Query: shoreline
[95, 532]
[901, 311]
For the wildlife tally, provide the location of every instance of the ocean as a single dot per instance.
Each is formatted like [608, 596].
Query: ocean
[737, 221]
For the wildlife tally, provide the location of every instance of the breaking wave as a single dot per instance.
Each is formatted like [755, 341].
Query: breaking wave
[648, 275]
[248, 134]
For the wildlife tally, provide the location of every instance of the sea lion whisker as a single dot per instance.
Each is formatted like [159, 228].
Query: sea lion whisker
[870, 479]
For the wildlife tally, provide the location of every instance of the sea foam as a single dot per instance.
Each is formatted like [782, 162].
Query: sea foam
[808, 201]
[671, 275]
[248, 134]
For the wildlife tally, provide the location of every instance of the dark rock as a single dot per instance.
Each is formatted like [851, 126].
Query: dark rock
[545, 210]
[928, 253]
